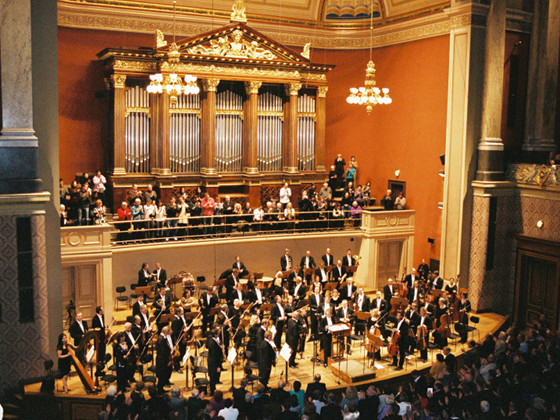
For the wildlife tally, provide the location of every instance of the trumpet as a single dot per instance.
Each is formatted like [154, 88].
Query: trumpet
[357, 257]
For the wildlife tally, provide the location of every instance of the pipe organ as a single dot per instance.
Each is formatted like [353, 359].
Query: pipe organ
[251, 125]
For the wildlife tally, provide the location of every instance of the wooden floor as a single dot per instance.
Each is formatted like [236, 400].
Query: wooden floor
[489, 322]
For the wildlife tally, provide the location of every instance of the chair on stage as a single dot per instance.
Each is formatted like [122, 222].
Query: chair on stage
[196, 368]
[120, 298]
[145, 359]
[250, 377]
[475, 320]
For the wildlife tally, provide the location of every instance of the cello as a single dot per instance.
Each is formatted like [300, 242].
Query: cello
[393, 347]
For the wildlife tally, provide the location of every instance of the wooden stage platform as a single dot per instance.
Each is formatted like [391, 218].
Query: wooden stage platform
[77, 404]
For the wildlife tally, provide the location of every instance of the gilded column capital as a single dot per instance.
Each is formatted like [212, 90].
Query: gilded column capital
[118, 80]
[292, 89]
[252, 87]
[322, 91]
[210, 85]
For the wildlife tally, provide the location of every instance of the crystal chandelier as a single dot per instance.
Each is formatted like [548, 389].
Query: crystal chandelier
[172, 83]
[369, 95]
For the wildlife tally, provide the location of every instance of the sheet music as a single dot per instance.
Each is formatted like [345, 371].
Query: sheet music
[186, 357]
[286, 352]
[338, 328]
[90, 354]
[273, 331]
[232, 355]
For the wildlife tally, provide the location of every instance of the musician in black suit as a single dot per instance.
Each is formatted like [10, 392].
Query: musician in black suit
[286, 261]
[207, 301]
[388, 291]
[215, 358]
[338, 273]
[98, 321]
[267, 358]
[414, 292]
[144, 276]
[306, 262]
[258, 296]
[436, 283]
[411, 278]
[163, 359]
[236, 293]
[223, 321]
[120, 352]
[347, 292]
[464, 307]
[326, 335]
[348, 260]
[315, 303]
[161, 306]
[346, 315]
[279, 317]
[160, 275]
[424, 320]
[78, 329]
[132, 341]
[299, 290]
[380, 304]
[240, 267]
[178, 328]
[401, 328]
[360, 303]
[292, 337]
[138, 304]
[322, 273]
[328, 259]
[423, 269]
[425, 303]
[145, 319]
[231, 282]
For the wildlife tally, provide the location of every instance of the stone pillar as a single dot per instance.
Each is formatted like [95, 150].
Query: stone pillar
[320, 124]
[159, 134]
[543, 82]
[208, 128]
[250, 128]
[18, 143]
[490, 147]
[289, 143]
[119, 112]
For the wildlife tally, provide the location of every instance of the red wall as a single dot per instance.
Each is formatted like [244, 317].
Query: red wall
[408, 135]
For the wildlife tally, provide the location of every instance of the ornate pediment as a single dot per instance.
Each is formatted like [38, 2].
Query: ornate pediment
[240, 42]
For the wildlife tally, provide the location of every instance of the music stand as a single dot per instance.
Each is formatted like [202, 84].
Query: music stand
[329, 268]
[144, 290]
[302, 303]
[351, 269]
[436, 293]
[258, 276]
[266, 307]
[285, 274]
[216, 309]
[331, 285]
[343, 284]
[165, 319]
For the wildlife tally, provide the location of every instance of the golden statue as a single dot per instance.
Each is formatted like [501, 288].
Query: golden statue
[238, 14]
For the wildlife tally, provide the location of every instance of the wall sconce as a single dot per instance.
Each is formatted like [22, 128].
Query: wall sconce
[397, 173]
[442, 173]
[440, 205]
[540, 224]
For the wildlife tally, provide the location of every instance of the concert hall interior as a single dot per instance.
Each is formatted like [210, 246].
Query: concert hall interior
[150, 143]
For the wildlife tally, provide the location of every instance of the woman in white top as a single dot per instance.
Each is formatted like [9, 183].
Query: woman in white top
[150, 210]
[99, 212]
[183, 216]
[285, 195]
[161, 214]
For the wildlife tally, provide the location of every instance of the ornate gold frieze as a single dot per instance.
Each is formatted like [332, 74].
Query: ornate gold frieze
[118, 80]
[237, 112]
[135, 65]
[234, 46]
[306, 115]
[133, 109]
[185, 111]
[271, 114]
[252, 87]
[528, 173]
[205, 69]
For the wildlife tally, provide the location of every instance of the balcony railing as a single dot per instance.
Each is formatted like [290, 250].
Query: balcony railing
[217, 226]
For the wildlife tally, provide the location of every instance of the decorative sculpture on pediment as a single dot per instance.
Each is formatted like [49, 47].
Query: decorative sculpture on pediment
[306, 50]
[160, 39]
[234, 46]
[238, 13]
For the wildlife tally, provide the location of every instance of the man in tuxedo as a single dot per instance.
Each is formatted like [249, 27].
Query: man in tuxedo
[286, 261]
[144, 276]
[423, 269]
[380, 304]
[178, 327]
[388, 291]
[437, 282]
[307, 262]
[164, 349]
[299, 290]
[160, 275]
[316, 385]
[328, 259]
[315, 304]
[348, 260]
[402, 328]
[237, 293]
[161, 306]
[322, 273]
[360, 304]
[347, 292]
[240, 267]
[231, 282]
[292, 338]
[138, 304]
[258, 296]
[411, 278]
[326, 335]
[346, 315]
[427, 305]
[414, 293]
[338, 272]
[215, 358]
[78, 329]
[98, 321]
[207, 301]
[424, 321]
[267, 358]
[279, 317]
[145, 319]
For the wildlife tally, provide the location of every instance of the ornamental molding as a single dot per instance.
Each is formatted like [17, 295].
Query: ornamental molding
[533, 174]
[101, 17]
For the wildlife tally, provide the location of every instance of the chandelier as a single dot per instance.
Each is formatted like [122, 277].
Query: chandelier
[369, 95]
[172, 83]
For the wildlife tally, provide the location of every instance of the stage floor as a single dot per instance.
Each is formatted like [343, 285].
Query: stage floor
[489, 322]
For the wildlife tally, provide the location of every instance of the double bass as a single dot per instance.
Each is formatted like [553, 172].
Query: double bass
[421, 337]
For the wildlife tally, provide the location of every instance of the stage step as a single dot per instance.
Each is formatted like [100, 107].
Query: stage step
[352, 371]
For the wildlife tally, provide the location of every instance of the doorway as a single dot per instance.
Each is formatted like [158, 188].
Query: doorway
[79, 290]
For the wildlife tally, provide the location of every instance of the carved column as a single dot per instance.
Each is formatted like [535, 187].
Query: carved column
[320, 123]
[490, 146]
[159, 134]
[543, 81]
[289, 143]
[119, 112]
[208, 127]
[250, 128]
[18, 143]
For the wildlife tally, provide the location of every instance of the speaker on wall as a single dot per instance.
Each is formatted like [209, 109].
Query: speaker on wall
[442, 159]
